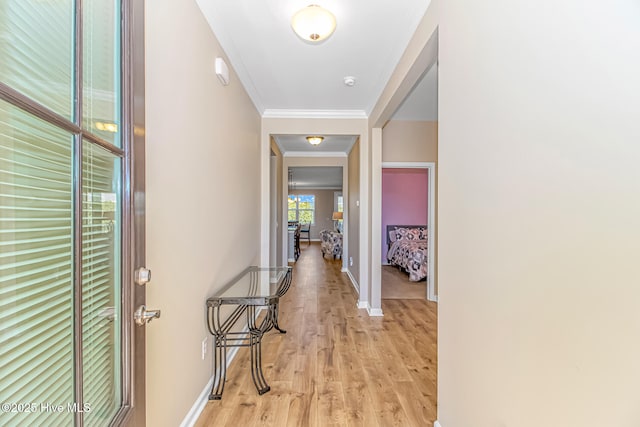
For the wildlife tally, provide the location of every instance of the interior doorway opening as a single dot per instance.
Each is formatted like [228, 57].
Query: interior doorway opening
[315, 203]
[407, 256]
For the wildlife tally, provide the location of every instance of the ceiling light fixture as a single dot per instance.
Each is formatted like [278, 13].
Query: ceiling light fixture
[313, 23]
[315, 140]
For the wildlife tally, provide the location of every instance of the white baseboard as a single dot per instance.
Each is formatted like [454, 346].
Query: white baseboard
[374, 312]
[436, 423]
[203, 398]
[198, 406]
[354, 282]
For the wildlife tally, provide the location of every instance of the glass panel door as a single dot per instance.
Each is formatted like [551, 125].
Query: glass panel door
[66, 233]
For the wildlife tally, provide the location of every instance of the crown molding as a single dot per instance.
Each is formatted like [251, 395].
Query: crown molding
[316, 187]
[408, 165]
[314, 154]
[314, 114]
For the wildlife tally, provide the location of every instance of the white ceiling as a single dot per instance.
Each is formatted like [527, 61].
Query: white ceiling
[287, 76]
[308, 177]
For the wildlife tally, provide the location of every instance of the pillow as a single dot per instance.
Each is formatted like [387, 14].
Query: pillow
[419, 233]
[423, 233]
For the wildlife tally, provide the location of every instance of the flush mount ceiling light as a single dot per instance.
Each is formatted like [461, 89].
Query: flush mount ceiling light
[313, 23]
[315, 140]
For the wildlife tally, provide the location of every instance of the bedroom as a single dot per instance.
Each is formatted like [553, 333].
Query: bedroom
[405, 227]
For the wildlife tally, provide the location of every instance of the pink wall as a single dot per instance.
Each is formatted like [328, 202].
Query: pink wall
[404, 200]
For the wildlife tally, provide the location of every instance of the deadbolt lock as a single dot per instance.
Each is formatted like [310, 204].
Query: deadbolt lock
[142, 276]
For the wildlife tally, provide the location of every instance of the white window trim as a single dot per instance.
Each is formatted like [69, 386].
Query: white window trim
[304, 210]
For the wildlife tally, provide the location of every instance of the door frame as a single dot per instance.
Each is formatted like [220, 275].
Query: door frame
[431, 219]
[134, 345]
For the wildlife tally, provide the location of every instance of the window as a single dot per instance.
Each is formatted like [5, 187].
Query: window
[302, 208]
[338, 201]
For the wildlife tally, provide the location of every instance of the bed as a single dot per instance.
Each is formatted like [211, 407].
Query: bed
[408, 249]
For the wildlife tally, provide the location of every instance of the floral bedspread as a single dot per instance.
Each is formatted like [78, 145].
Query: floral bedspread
[410, 255]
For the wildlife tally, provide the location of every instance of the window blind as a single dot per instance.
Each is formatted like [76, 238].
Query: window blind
[100, 284]
[37, 48]
[36, 267]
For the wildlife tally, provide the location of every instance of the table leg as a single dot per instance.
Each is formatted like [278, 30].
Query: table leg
[273, 312]
[219, 368]
[256, 361]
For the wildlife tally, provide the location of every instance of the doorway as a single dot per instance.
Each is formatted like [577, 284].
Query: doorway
[312, 202]
[408, 200]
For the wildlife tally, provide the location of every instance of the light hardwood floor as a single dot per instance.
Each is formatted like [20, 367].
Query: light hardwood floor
[336, 365]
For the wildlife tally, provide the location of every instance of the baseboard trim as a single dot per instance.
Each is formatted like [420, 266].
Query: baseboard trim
[374, 312]
[354, 282]
[203, 398]
[436, 423]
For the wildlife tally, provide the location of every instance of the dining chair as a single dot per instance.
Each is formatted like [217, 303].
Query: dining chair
[306, 229]
[296, 243]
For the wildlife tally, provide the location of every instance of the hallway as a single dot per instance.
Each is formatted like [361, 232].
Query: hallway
[336, 365]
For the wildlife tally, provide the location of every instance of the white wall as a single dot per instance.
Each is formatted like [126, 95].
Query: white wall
[203, 198]
[539, 222]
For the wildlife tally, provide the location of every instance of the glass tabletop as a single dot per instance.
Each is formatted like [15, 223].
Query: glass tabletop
[255, 285]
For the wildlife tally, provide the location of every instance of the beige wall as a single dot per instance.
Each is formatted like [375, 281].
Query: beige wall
[203, 211]
[538, 213]
[353, 225]
[538, 210]
[324, 211]
[410, 141]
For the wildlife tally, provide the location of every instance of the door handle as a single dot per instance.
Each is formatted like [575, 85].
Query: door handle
[142, 316]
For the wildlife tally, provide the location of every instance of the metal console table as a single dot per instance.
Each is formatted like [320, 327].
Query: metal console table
[255, 287]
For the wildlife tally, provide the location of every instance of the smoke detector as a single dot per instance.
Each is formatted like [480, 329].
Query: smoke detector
[350, 81]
